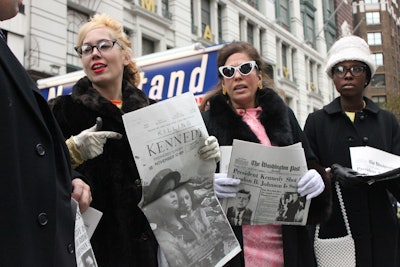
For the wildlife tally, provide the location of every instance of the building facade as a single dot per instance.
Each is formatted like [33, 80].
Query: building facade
[292, 36]
[378, 22]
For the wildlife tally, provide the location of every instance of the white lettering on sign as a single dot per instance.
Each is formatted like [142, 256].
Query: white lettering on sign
[52, 92]
[176, 81]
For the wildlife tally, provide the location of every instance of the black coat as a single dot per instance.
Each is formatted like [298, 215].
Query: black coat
[123, 236]
[246, 216]
[372, 220]
[36, 226]
[282, 129]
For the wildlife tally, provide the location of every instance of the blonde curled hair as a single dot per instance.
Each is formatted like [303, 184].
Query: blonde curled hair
[131, 71]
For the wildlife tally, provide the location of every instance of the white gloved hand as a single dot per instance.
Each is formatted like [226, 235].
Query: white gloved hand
[225, 187]
[210, 150]
[90, 142]
[310, 184]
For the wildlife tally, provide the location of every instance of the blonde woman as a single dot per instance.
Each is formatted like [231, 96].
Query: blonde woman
[102, 153]
[123, 236]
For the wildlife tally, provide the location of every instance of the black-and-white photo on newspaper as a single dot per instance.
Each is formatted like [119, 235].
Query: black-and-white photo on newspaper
[268, 187]
[178, 195]
[83, 249]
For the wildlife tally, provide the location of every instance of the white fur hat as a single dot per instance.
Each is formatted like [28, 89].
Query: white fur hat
[350, 48]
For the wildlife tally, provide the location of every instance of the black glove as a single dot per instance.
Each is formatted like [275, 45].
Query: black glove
[346, 176]
[349, 177]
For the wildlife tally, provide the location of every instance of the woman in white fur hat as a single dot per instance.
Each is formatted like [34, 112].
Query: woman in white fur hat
[354, 120]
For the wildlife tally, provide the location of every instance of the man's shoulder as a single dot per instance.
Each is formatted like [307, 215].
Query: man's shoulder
[60, 102]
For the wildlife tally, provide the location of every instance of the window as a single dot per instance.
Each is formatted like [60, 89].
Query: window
[329, 9]
[192, 18]
[308, 22]
[219, 14]
[379, 99]
[205, 14]
[165, 9]
[261, 40]
[148, 46]
[378, 59]
[284, 55]
[21, 9]
[250, 33]
[253, 3]
[285, 67]
[269, 70]
[378, 80]
[330, 39]
[329, 22]
[282, 13]
[74, 21]
[373, 18]
[128, 32]
[72, 68]
[374, 38]
[309, 29]
[311, 74]
[292, 64]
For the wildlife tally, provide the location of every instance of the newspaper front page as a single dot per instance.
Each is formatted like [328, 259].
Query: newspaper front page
[370, 161]
[268, 187]
[178, 196]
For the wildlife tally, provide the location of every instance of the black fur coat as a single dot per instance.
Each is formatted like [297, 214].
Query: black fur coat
[123, 236]
[282, 129]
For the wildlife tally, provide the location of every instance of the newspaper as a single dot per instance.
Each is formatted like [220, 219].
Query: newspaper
[83, 249]
[91, 218]
[178, 196]
[370, 161]
[269, 177]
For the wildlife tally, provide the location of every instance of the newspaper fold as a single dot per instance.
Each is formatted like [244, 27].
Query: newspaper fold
[178, 195]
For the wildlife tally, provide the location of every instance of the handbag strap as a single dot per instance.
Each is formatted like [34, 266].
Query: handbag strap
[342, 208]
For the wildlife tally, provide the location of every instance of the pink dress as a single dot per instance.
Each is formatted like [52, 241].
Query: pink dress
[263, 245]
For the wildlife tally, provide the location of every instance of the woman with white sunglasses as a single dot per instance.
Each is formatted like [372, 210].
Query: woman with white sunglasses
[244, 108]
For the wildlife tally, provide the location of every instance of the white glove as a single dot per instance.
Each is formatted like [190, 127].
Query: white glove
[310, 184]
[210, 150]
[90, 142]
[225, 187]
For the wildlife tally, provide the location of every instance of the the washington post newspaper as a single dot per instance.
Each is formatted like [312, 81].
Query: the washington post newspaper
[178, 196]
[371, 161]
[268, 187]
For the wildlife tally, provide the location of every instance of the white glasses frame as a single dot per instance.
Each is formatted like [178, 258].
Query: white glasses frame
[238, 68]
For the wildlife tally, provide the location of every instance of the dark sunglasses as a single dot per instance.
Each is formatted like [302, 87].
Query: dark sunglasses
[245, 69]
[341, 71]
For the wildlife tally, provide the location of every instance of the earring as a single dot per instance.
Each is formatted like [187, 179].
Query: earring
[223, 91]
[260, 86]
